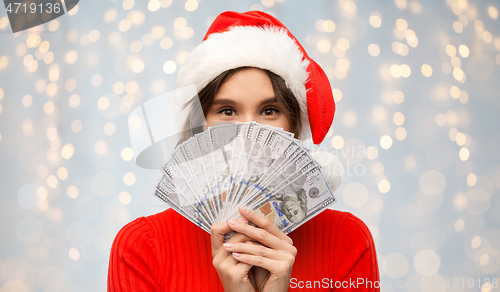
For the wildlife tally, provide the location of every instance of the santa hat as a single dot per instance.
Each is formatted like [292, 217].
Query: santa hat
[257, 39]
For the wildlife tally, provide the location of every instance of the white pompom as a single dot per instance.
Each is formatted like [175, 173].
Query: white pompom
[332, 167]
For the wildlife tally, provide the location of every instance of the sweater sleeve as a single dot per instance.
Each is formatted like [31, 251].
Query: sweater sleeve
[357, 267]
[134, 262]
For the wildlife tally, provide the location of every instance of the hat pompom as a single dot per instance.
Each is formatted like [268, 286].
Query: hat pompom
[332, 167]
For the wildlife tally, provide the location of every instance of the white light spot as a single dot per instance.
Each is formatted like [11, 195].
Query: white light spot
[426, 262]
[432, 182]
[355, 194]
[74, 254]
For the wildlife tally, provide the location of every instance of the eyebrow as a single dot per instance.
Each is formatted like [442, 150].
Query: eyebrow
[232, 102]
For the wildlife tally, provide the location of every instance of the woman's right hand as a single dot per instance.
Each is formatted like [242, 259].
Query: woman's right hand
[233, 274]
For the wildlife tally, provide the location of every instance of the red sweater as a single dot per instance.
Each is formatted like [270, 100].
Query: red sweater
[166, 252]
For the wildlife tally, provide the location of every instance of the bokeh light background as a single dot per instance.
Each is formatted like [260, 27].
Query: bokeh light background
[417, 128]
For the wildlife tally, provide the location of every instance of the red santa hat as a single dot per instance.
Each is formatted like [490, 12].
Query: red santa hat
[257, 39]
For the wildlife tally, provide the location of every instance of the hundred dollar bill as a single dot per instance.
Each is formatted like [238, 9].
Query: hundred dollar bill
[294, 148]
[254, 160]
[166, 191]
[205, 150]
[274, 147]
[301, 162]
[194, 162]
[286, 151]
[258, 157]
[294, 204]
[221, 139]
[184, 185]
[252, 152]
[183, 166]
[246, 141]
[233, 150]
[298, 162]
[261, 167]
[283, 167]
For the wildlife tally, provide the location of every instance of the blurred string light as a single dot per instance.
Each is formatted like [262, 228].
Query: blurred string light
[455, 67]
[68, 136]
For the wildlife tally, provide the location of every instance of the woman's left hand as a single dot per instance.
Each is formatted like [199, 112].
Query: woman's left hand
[272, 251]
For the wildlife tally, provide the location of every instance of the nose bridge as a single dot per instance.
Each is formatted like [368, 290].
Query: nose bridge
[247, 116]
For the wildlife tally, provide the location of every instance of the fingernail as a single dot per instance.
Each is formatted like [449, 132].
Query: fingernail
[236, 254]
[243, 220]
[232, 222]
[228, 245]
[244, 209]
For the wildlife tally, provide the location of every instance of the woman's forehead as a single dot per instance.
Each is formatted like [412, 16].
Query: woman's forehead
[245, 83]
[238, 100]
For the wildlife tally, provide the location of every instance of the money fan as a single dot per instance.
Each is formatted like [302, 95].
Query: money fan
[245, 164]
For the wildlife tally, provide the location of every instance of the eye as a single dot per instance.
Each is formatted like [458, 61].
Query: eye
[227, 112]
[270, 111]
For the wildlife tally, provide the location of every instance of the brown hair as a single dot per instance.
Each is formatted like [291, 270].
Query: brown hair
[286, 100]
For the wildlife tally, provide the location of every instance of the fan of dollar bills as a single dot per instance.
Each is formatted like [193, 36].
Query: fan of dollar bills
[245, 164]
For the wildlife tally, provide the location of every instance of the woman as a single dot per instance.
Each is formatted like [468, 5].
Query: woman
[250, 68]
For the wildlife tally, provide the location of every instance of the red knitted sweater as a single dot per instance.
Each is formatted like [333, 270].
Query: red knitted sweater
[166, 252]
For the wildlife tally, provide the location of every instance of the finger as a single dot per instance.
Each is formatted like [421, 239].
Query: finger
[217, 231]
[240, 272]
[263, 223]
[226, 264]
[288, 249]
[229, 265]
[289, 252]
[257, 234]
[254, 249]
[273, 266]
[241, 267]
[253, 242]
[238, 237]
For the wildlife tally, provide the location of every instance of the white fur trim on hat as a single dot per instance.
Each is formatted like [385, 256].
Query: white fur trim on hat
[263, 47]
